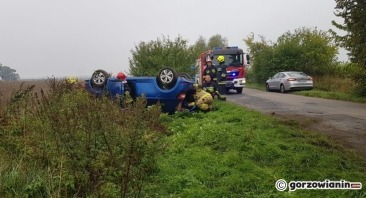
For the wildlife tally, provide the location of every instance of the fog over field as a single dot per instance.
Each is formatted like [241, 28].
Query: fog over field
[42, 38]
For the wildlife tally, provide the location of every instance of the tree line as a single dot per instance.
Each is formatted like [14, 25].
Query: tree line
[148, 57]
[305, 49]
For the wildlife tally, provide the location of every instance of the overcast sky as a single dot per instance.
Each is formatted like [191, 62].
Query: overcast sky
[44, 38]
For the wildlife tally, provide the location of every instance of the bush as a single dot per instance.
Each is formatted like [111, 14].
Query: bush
[65, 143]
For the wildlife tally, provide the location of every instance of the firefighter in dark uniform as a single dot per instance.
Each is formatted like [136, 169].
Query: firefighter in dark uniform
[209, 86]
[210, 70]
[221, 75]
[126, 99]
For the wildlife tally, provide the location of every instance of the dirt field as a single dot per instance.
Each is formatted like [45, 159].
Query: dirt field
[8, 88]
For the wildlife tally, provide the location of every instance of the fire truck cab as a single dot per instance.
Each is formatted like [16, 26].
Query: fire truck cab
[235, 60]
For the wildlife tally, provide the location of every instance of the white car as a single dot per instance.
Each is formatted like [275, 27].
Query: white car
[289, 80]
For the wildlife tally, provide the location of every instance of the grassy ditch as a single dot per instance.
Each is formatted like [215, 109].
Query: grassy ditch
[236, 152]
[65, 143]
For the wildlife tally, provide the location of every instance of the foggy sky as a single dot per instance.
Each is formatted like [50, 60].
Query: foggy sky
[44, 38]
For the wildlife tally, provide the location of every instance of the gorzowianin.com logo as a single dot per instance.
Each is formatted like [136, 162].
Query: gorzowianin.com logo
[282, 185]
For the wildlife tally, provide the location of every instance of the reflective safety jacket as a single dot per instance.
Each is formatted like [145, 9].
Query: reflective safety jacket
[204, 100]
[211, 71]
[221, 73]
[209, 87]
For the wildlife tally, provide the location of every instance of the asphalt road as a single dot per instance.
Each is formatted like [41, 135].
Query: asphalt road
[344, 121]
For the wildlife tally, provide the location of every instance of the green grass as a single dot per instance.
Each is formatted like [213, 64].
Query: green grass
[318, 94]
[236, 152]
[332, 95]
[67, 144]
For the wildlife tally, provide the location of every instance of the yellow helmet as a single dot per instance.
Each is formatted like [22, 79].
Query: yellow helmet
[221, 59]
[71, 80]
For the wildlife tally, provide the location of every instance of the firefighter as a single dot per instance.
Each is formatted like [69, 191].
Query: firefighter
[203, 99]
[209, 86]
[72, 82]
[210, 70]
[188, 101]
[127, 98]
[221, 76]
[197, 98]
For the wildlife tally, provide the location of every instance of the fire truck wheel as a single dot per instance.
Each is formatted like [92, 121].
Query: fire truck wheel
[99, 78]
[167, 78]
[239, 90]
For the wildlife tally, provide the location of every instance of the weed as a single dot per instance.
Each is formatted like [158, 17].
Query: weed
[64, 143]
[67, 143]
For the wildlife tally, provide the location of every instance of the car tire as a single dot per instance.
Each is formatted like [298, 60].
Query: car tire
[282, 88]
[239, 90]
[167, 78]
[99, 78]
[185, 75]
[267, 88]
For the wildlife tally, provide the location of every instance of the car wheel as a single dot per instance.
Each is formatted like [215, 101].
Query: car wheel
[167, 78]
[185, 75]
[282, 88]
[239, 90]
[267, 87]
[99, 78]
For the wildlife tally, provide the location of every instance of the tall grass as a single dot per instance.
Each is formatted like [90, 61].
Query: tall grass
[334, 87]
[65, 143]
[333, 83]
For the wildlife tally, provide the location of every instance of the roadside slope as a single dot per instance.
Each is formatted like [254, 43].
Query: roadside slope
[343, 121]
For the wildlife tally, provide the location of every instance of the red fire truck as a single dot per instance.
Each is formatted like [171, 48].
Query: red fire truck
[236, 61]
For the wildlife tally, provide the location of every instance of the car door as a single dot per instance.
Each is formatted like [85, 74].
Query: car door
[272, 82]
[279, 80]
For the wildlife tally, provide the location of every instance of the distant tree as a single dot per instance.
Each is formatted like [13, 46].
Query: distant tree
[255, 48]
[262, 54]
[149, 57]
[199, 46]
[307, 50]
[6, 73]
[354, 14]
[217, 41]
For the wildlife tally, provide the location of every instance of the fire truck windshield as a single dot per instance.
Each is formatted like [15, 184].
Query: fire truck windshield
[235, 60]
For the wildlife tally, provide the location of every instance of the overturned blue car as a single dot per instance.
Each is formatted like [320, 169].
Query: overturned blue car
[168, 88]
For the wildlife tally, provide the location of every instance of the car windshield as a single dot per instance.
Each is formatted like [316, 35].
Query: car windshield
[297, 74]
[235, 60]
